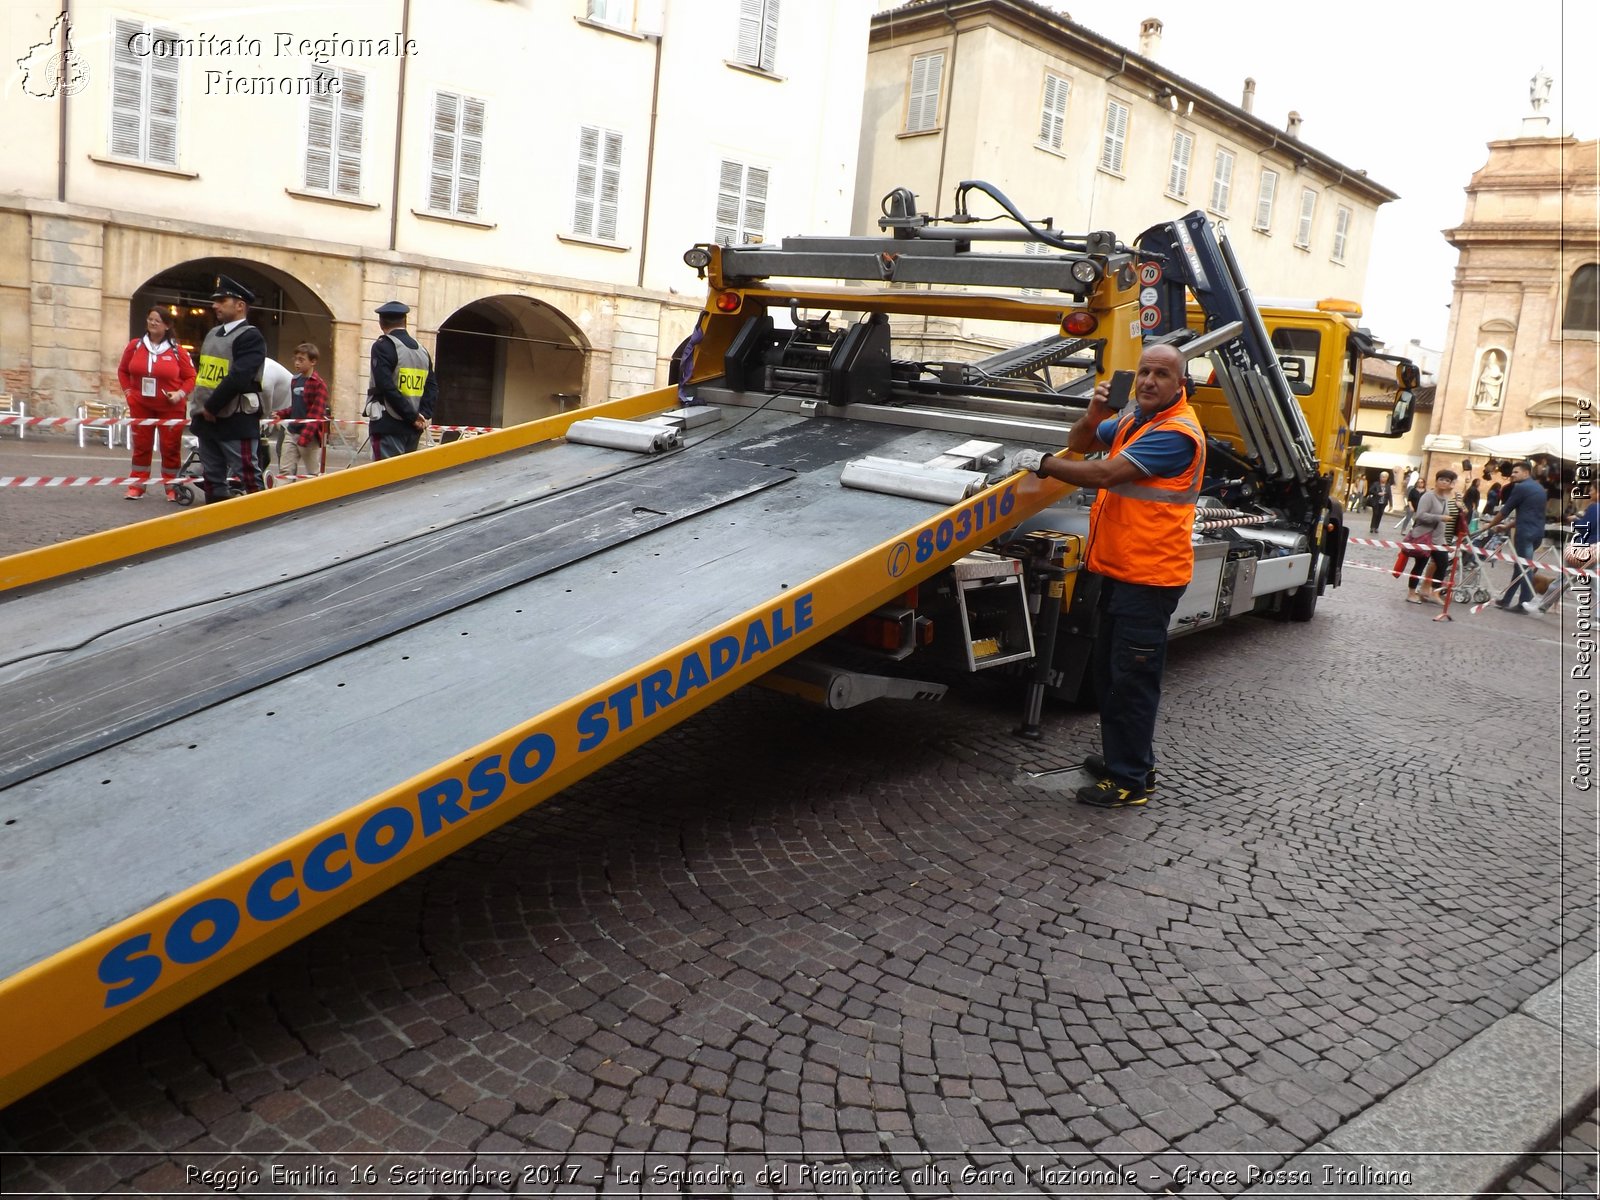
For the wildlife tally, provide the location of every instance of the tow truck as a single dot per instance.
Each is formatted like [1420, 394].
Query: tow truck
[462, 633]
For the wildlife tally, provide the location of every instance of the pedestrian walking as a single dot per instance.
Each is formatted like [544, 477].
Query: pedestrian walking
[1379, 496]
[1523, 504]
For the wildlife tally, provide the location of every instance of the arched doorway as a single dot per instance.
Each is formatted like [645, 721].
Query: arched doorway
[507, 359]
[286, 310]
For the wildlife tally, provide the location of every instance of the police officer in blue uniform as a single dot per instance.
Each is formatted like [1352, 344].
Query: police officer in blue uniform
[403, 389]
[225, 406]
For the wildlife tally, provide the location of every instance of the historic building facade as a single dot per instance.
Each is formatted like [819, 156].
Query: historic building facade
[526, 177]
[1075, 126]
[1524, 328]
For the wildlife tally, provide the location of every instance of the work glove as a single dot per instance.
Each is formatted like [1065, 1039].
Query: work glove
[1029, 460]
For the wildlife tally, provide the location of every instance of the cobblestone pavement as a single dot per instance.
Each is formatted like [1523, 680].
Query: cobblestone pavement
[881, 952]
[1568, 1170]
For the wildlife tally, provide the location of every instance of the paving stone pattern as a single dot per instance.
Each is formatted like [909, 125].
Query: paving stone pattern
[872, 953]
[1568, 1170]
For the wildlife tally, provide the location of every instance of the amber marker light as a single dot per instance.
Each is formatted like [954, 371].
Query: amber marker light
[729, 302]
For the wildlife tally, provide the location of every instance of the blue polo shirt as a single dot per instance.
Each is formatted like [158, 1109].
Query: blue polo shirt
[1164, 454]
[1526, 500]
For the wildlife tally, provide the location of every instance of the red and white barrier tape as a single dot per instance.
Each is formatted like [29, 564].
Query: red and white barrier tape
[110, 422]
[1498, 556]
[56, 481]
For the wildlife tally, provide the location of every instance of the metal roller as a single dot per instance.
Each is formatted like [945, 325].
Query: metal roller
[624, 435]
[915, 481]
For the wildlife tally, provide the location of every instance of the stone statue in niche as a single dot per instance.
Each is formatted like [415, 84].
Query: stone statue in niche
[1491, 380]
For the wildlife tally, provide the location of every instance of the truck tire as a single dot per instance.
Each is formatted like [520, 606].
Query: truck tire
[1302, 606]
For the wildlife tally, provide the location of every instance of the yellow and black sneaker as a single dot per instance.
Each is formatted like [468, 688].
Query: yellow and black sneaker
[1096, 766]
[1108, 793]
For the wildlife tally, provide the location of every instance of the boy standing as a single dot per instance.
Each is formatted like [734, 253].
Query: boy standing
[306, 430]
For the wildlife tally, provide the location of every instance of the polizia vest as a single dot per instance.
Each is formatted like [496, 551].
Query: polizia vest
[216, 361]
[1142, 531]
[410, 376]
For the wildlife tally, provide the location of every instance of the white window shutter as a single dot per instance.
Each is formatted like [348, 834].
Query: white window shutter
[927, 74]
[352, 108]
[610, 186]
[127, 93]
[755, 204]
[469, 171]
[583, 201]
[730, 191]
[1052, 122]
[162, 144]
[319, 132]
[1308, 212]
[749, 49]
[769, 35]
[1264, 199]
[1222, 181]
[1116, 133]
[442, 157]
[1182, 151]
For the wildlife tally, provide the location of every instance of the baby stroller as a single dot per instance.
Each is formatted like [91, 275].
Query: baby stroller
[189, 487]
[1472, 584]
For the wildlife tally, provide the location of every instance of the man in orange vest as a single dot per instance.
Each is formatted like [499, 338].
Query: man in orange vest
[1140, 532]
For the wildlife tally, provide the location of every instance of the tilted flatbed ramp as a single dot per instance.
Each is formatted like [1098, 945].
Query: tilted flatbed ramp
[238, 732]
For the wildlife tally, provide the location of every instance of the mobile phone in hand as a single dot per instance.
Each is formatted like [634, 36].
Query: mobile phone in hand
[1121, 389]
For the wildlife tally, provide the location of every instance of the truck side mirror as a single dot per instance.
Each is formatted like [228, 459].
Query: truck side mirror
[1400, 415]
[1408, 378]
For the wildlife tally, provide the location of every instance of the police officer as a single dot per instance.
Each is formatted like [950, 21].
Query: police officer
[225, 406]
[1140, 532]
[403, 390]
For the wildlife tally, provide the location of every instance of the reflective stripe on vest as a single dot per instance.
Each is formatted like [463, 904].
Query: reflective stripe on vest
[1142, 531]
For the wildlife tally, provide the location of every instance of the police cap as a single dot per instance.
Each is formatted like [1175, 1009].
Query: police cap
[393, 309]
[232, 287]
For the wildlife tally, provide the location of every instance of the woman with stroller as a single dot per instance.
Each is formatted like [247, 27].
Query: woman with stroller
[156, 377]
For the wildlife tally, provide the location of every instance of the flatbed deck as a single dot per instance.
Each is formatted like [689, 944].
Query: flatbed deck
[217, 746]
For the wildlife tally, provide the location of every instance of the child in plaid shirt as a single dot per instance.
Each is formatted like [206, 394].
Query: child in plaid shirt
[306, 430]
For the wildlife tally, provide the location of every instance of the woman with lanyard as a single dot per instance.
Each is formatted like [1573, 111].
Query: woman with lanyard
[156, 377]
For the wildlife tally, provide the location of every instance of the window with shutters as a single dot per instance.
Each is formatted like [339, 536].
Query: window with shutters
[1308, 210]
[1222, 182]
[922, 105]
[594, 205]
[1341, 232]
[455, 162]
[335, 113]
[1053, 120]
[758, 34]
[616, 13]
[741, 203]
[144, 95]
[1178, 172]
[1265, 195]
[1116, 137]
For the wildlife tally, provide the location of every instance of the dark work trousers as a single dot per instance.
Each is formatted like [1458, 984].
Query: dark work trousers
[1377, 517]
[229, 466]
[393, 445]
[1521, 577]
[1129, 656]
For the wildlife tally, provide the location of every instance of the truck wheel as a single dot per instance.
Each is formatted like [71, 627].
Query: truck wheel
[1302, 605]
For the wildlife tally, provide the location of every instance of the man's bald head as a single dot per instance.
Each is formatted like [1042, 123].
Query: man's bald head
[1159, 379]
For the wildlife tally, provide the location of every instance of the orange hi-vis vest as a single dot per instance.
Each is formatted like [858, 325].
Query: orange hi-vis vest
[1142, 531]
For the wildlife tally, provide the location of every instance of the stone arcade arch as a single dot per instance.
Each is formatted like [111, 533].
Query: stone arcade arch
[286, 310]
[508, 359]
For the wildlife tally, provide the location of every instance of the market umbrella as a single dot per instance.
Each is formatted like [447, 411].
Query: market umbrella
[1571, 443]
